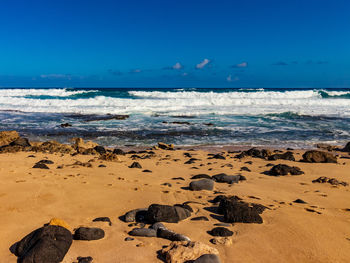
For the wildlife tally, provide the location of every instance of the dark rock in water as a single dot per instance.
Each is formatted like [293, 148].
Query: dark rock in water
[136, 215]
[220, 232]
[143, 232]
[218, 156]
[135, 165]
[318, 157]
[244, 168]
[235, 210]
[87, 233]
[46, 244]
[45, 161]
[170, 235]
[254, 152]
[200, 218]
[100, 149]
[97, 117]
[41, 166]
[201, 176]
[331, 181]
[103, 219]
[166, 213]
[84, 259]
[284, 156]
[147, 171]
[65, 125]
[283, 169]
[224, 178]
[23, 142]
[204, 184]
[207, 258]
[299, 201]
[118, 152]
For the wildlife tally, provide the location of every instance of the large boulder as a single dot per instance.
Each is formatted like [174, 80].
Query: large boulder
[6, 137]
[166, 213]
[283, 169]
[204, 184]
[284, 156]
[183, 251]
[46, 244]
[224, 178]
[88, 233]
[318, 157]
[235, 210]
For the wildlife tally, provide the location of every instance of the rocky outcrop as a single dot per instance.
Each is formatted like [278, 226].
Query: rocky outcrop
[6, 137]
[283, 169]
[331, 181]
[284, 156]
[318, 157]
[254, 152]
[80, 143]
[164, 146]
[183, 251]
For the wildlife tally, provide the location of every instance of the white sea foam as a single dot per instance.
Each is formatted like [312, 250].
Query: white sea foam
[307, 102]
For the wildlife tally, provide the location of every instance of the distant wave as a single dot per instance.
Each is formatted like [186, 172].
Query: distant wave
[335, 94]
[41, 92]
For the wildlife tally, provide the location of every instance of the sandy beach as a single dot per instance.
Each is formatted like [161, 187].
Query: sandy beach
[314, 231]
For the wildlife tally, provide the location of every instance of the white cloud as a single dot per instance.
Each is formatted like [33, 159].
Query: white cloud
[203, 63]
[230, 79]
[56, 76]
[177, 66]
[241, 65]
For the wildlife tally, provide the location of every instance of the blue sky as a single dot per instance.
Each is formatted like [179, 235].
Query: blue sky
[192, 43]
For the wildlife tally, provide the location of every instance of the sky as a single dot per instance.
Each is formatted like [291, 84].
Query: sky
[175, 43]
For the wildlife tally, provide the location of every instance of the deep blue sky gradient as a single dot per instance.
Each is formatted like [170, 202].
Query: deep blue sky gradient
[299, 43]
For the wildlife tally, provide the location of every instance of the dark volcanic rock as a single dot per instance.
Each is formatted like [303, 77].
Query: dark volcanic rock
[235, 210]
[201, 176]
[147, 171]
[346, 148]
[220, 232]
[318, 157]
[103, 219]
[224, 178]
[244, 168]
[207, 258]
[283, 169]
[45, 161]
[166, 213]
[136, 215]
[23, 142]
[204, 184]
[46, 244]
[84, 259]
[284, 156]
[200, 218]
[254, 152]
[118, 152]
[299, 201]
[143, 232]
[135, 165]
[331, 181]
[87, 233]
[218, 156]
[100, 149]
[41, 166]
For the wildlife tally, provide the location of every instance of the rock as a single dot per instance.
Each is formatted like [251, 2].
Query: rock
[135, 165]
[285, 156]
[143, 232]
[224, 178]
[299, 201]
[171, 235]
[41, 166]
[331, 181]
[178, 178]
[59, 222]
[65, 125]
[254, 152]
[283, 169]
[79, 143]
[46, 244]
[147, 171]
[200, 218]
[109, 157]
[204, 184]
[6, 137]
[103, 219]
[207, 258]
[87, 233]
[53, 147]
[23, 142]
[221, 241]
[100, 149]
[244, 168]
[165, 146]
[84, 259]
[118, 152]
[136, 215]
[220, 232]
[345, 149]
[157, 226]
[129, 239]
[201, 176]
[218, 156]
[166, 213]
[45, 161]
[235, 210]
[318, 157]
[325, 146]
[183, 251]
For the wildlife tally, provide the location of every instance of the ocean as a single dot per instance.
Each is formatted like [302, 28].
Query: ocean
[187, 117]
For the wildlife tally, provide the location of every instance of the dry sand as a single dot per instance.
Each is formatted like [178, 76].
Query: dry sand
[30, 197]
